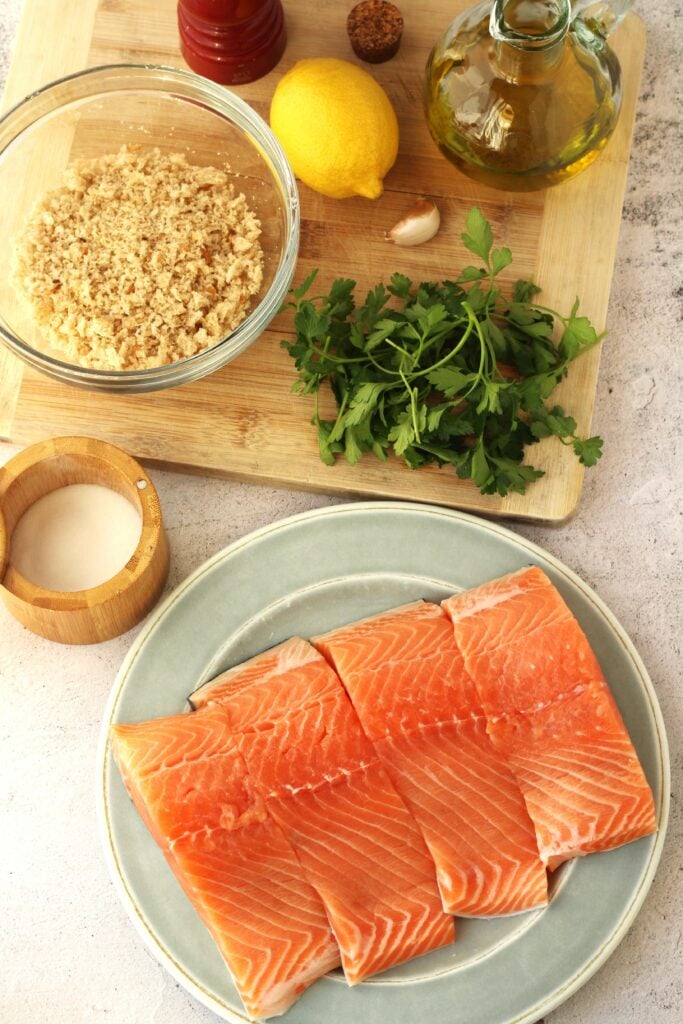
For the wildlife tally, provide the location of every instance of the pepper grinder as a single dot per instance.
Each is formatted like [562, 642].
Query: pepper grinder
[231, 41]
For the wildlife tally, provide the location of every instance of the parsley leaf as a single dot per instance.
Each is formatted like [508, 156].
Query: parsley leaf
[588, 450]
[478, 237]
[450, 373]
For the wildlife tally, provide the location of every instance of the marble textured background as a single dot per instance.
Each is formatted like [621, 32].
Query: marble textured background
[67, 951]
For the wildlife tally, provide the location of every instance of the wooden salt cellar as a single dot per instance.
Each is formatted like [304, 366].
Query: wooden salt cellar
[105, 611]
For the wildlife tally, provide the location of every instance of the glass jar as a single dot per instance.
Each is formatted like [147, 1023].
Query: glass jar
[92, 114]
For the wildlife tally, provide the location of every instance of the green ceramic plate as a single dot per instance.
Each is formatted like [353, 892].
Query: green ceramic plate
[305, 575]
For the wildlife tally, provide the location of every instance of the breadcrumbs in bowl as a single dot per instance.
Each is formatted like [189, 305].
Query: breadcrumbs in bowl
[128, 319]
[138, 260]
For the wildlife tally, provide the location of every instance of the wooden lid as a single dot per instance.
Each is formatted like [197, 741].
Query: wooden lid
[105, 611]
[4, 545]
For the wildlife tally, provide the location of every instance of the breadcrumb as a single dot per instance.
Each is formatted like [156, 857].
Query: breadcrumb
[139, 259]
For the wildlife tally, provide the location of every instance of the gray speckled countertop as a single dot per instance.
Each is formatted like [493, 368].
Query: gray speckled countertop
[68, 953]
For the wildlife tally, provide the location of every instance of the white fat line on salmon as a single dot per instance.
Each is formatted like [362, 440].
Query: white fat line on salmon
[312, 787]
[540, 705]
[484, 604]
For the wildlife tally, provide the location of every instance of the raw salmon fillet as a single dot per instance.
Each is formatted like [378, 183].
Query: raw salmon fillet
[550, 712]
[189, 782]
[323, 783]
[407, 681]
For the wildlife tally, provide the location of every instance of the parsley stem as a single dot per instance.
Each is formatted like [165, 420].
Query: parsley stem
[413, 405]
[335, 359]
[341, 409]
[384, 369]
[483, 349]
[534, 306]
[449, 355]
[398, 349]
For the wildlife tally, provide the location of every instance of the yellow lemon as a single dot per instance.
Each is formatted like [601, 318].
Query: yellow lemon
[337, 127]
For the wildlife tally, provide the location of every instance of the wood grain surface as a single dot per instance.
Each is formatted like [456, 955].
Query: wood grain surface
[243, 421]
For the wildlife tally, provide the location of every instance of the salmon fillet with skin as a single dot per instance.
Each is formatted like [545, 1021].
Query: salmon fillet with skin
[190, 785]
[325, 786]
[550, 712]
[407, 681]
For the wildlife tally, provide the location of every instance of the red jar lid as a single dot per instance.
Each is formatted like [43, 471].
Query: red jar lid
[231, 41]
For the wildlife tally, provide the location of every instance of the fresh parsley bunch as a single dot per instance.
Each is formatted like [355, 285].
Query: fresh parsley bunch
[451, 373]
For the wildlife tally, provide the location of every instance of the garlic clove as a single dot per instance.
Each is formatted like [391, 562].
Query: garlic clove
[418, 225]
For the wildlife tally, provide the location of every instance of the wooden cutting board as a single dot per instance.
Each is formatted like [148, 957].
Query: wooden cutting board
[243, 421]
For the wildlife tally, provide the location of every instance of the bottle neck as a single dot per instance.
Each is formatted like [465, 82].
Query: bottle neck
[528, 37]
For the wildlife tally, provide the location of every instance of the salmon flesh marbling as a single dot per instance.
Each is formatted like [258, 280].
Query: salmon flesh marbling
[552, 716]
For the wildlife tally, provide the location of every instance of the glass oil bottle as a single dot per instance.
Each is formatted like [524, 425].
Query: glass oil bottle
[522, 94]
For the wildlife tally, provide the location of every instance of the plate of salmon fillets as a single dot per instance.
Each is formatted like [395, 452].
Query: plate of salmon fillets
[383, 762]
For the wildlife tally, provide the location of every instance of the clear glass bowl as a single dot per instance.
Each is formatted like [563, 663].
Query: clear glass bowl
[94, 113]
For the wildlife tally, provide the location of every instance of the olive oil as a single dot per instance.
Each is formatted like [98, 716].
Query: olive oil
[518, 97]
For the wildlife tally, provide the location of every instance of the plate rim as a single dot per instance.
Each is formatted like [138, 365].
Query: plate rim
[154, 943]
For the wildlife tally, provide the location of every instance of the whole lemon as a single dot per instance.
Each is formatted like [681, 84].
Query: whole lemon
[337, 126]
